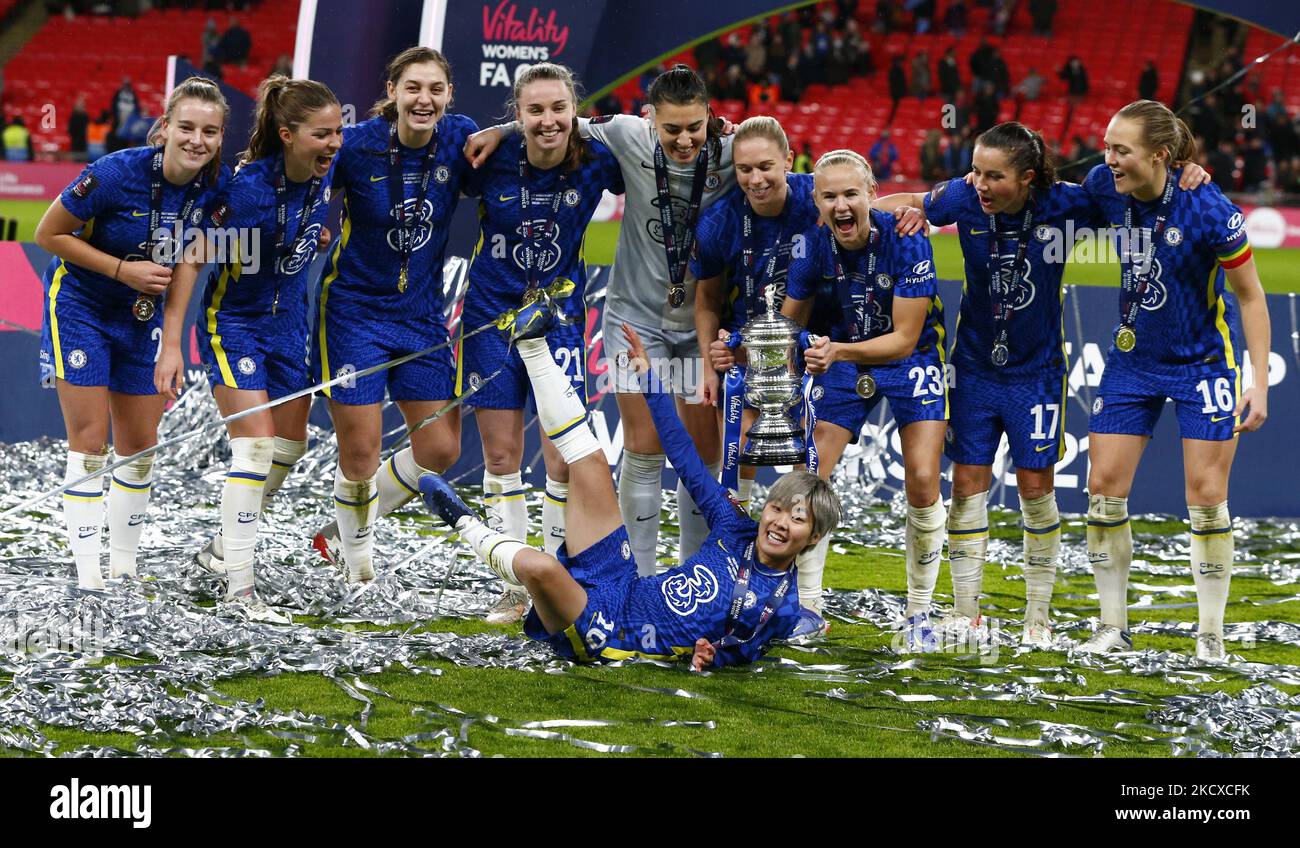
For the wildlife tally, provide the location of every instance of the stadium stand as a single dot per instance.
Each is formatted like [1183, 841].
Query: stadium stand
[90, 54]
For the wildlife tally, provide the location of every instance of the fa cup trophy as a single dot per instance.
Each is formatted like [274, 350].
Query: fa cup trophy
[772, 387]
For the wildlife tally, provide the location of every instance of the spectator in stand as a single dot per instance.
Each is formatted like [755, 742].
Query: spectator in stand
[883, 155]
[803, 163]
[791, 80]
[791, 32]
[611, 105]
[17, 141]
[1254, 163]
[981, 60]
[756, 55]
[1206, 121]
[1000, 18]
[1078, 162]
[97, 136]
[949, 75]
[733, 84]
[235, 45]
[845, 11]
[887, 16]
[78, 124]
[861, 60]
[986, 108]
[922, 14]
[1030, 87]
[811, 67]
[1149, 82]
[210, 41]
[932, 170]
[956, 18]
[762, 96]
[125, 104]
[821, 43]
[733, 52]
[837, 69]
[777, 53]
[961, 110]
[1221, 162]
[921, 74]
[1280, 131]
[1076, 78]
[897, 87]
[957, 155]
[1042, 12]
[999, 74]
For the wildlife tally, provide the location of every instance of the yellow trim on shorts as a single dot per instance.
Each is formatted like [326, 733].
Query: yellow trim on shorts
[616, 654]
[55, 285]
[943, 359]
[579, 647]
[227, 376]
[325, 293]
[469, 281]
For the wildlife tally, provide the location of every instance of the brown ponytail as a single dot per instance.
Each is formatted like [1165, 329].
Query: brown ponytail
[1162, 129]
[282, 102]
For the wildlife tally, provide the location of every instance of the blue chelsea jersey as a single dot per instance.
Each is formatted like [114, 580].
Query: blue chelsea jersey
[904, 268]
[112, 196]
[720, 245]
[362, 274]
[252, 279]
[497, 277]
[1035, 330]
[1187, 318]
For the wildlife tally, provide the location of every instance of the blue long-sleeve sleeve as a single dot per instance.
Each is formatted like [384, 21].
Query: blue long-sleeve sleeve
[709, 495]
[780, 627]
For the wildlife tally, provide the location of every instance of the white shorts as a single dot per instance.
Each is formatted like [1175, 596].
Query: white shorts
[674, 354]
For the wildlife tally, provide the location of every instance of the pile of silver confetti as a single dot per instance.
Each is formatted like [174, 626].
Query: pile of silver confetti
[147, 656]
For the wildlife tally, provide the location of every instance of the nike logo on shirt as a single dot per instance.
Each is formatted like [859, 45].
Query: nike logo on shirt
[928, 402]
[978, 232]
[135, 214]
[646, 517]
[505, 199]
[377, 179]
[1216, 419]
[1042, 448]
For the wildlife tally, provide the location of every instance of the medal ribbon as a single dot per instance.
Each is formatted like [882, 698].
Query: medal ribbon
[738, 593]
[1004, 298]
[733, 405]
[397, 192]
[678, 255]
[532, 252]
[749, 257]
[282, 222]
[1133, 284]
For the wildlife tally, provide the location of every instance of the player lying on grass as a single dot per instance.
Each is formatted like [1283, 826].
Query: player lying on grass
[723, 606]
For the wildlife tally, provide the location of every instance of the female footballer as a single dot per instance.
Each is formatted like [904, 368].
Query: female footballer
[675, 166]
[1175, 340]
[1009, 365]
[381, 298]
[744, 244]
[253, 330]
[723, 606]
[888, 341]
[113, 236]
[537, 194]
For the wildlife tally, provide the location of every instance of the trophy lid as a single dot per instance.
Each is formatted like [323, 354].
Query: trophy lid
[770, 326]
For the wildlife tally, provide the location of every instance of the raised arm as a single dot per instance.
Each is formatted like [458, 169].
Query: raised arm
[1244, 280]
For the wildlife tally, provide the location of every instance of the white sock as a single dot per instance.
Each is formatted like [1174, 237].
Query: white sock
[1211, 563]
[398, 480]
[640, 495]
[356, 504]
[561, 411]
[128, 504]
[810, 565]
[284, 455]
[557, 495]
[968, 540]
[1110, 551]
[496, 549]
[1042, 547]
[241, 504]
[693, 529]
[83, 512]
[746, 493]
[503, 497]
[925, 530]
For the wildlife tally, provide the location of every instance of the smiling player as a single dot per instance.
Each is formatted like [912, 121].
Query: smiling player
[723, 606]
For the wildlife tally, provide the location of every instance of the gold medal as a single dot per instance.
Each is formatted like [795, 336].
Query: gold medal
[143, 307]
[676, 296]
[401, 280]
[1000, 355]
[1126, 339]
[866, 386]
